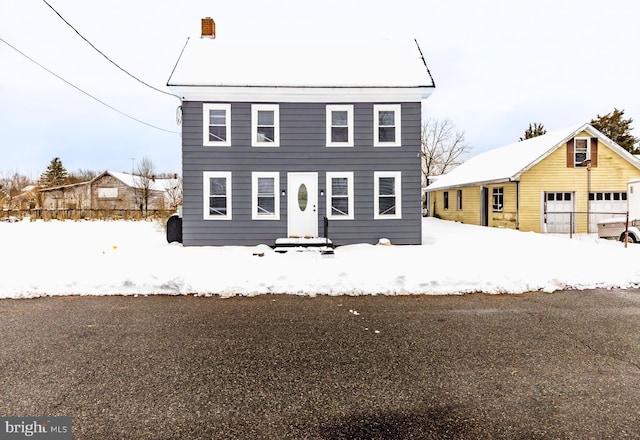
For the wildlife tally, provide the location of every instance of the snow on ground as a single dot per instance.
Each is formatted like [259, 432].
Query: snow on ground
[110, 258]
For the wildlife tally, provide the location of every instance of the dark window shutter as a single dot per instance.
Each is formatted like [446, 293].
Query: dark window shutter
[594, 152]
[570, 155]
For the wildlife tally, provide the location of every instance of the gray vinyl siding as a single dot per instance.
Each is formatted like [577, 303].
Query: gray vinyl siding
[302, 149]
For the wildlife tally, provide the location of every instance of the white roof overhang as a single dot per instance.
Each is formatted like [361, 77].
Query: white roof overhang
[302, 94]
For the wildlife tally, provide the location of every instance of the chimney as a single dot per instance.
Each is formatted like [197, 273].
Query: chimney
[208, 28]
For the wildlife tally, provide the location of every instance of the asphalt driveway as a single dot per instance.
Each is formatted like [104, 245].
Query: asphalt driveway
[534, 366]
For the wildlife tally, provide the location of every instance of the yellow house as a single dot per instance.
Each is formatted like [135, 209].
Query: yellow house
[560, 182]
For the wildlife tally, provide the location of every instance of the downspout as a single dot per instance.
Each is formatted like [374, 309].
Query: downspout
[517, 205]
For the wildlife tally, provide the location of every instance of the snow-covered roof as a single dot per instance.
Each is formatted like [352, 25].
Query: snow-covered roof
[327, 64]
[134, 181]
[507, 163]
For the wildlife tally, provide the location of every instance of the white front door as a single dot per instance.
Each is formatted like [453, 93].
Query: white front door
[302, 204]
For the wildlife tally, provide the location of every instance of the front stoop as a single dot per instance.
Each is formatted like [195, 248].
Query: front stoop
[303, 244]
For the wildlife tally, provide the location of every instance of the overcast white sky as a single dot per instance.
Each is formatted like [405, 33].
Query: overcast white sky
[498, 65]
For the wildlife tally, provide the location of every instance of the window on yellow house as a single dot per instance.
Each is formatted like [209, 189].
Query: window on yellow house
[581, 152]
[498, 199]
[459, 200]
[446, 199]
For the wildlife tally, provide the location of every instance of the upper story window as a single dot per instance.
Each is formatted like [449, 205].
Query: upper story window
[265, 196]
[265, 125]
[216, 189]
[387, 201]
[339, 125]
[386, 125]
[340, 195]
[216, 125]
[581, 152]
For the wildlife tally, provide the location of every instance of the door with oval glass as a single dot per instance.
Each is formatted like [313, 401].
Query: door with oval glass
[302, 204]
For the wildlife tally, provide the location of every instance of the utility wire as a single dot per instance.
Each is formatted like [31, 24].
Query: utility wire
[106, 57]
[86, 93]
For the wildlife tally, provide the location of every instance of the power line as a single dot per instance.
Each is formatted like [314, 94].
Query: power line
[106, 57]
[86, 93]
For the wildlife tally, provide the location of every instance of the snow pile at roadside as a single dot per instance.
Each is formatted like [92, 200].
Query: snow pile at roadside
[106, 258]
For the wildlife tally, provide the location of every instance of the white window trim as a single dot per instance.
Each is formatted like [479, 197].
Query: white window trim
[206, 176]
[350, 194]
[500, 207]
[397, 113]
[350, 126]
[376, 191]
[575, 150]
[254, 196]
[206, 108]
[255, 108]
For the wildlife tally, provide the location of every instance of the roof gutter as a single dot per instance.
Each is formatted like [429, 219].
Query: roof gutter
[479, 183]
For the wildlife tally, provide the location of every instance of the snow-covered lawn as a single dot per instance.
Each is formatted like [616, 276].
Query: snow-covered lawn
[104, 258]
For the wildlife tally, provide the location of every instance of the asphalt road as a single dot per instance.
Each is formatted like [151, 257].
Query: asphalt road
[534, 366]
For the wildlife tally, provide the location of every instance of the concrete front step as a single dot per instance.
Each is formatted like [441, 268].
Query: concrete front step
[302, 244]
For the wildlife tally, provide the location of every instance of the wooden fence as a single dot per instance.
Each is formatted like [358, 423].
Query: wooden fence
[86, 214]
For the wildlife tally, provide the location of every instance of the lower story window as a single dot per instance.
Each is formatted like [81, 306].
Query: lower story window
[388, 201]
[445, 203]
[498, 199]
[340, 196]
[216, 195]
[459, 200]
[265, 189]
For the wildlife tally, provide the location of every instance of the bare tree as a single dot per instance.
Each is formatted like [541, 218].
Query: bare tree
[174, 191]
[81, 175]
[144, 178]
[443, 147]
[13, 190]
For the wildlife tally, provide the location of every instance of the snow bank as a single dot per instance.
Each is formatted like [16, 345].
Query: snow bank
[127, 258]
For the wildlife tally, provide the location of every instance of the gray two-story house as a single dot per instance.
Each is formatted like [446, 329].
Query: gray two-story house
[277, 137]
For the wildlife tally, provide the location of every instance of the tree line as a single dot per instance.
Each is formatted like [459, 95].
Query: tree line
[18, 191]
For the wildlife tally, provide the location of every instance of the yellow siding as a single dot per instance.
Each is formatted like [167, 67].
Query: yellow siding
[471, 204]
[552, 174]
[508, 217]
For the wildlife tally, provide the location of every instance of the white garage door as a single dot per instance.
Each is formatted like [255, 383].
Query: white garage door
[605, 204]
[557, 215]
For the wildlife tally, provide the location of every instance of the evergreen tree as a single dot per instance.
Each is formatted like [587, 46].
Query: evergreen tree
[617, 129]
[55, 175]
[533, 131]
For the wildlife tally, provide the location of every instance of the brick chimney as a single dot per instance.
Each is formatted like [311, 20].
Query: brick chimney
[208, 28]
